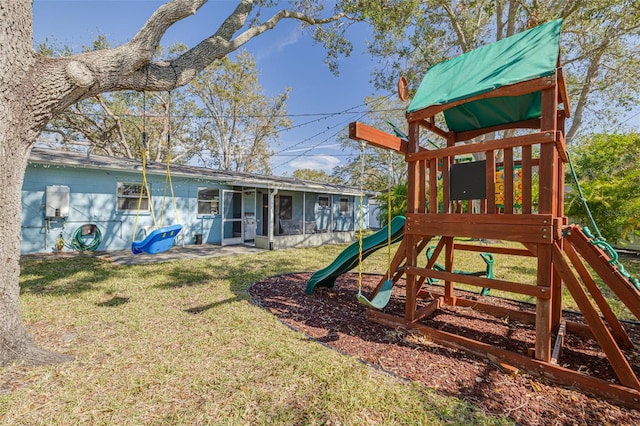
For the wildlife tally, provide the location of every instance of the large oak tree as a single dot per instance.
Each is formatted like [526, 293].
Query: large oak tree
[34, 88]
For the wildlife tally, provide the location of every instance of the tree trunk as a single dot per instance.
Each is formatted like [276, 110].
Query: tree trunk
[18, 131]
[15, 344]
[17, 134]
[34, 88]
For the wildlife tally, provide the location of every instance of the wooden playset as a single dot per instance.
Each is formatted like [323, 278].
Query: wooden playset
[514, 86]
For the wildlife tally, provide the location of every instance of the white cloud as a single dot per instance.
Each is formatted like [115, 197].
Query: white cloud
[291, 38]
[315, 162]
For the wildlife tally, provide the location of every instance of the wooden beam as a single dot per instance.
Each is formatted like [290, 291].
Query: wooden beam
[513, 142]
[516, 89]
[372, 136]
[543, 220]
[562, 92]
[522, 228]
[449, 294]
[599, 261]
[508, 181]
[495, 250]
[621, 395]
[559, 342]
[561, 146]
[429, 309]
[509, 286]
[429, 125]
[470, 134]
[617, 330]
[490, 181]
[433, 186]
[543, 306]
[527, 179]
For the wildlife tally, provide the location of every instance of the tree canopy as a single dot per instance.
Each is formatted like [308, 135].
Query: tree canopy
[235, 125]
[221, 117]
[600, 44]
[607, 170]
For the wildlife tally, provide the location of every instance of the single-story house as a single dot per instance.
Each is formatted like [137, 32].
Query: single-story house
[78, 196]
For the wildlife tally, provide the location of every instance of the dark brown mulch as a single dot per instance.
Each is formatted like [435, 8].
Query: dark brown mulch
[335, 318]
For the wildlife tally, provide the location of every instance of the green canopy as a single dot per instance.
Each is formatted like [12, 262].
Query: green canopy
[521, 57]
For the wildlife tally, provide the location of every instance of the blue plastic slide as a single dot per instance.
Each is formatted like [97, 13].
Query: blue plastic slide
[348, 259]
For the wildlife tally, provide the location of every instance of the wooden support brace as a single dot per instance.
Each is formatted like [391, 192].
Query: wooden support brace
[429, 309]
[599, 261]
[606, 341]
[509, 286]
[618, 332]
[375, 137]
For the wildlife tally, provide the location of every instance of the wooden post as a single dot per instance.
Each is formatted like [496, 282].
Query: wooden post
[422, 186]
[413, 198]
[490, 157]
[433, 185]
[508, 181]
[527, 179]
[449, 295]
[547, 205]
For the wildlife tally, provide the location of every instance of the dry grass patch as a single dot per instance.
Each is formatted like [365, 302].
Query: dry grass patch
[181, 343]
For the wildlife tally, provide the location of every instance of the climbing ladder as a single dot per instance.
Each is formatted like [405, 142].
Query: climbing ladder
[606, 328]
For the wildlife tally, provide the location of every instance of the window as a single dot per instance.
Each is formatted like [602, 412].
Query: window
[285, 207]
[208, 201]
[323, 201]
[129, 196]
[344, 206]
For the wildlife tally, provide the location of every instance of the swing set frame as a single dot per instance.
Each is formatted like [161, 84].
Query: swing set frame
[561, 251]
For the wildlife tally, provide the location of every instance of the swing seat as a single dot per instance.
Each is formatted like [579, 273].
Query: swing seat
[157, 241]
[381, 299]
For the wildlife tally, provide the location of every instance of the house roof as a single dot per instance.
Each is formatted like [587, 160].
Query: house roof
[521, 57]
[90, 161]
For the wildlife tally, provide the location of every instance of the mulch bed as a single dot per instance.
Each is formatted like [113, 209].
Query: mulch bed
[335, 318]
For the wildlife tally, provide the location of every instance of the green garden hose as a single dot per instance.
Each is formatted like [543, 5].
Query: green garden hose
[80, 244]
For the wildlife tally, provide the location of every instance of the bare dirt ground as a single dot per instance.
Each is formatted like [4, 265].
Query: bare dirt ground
[335, 318]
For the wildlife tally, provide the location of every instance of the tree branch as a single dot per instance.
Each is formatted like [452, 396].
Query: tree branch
[129, 67]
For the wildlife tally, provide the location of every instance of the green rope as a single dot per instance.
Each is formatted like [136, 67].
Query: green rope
[597, 239]
[582, 199]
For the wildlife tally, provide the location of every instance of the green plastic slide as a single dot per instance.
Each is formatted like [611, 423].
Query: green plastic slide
[348, 259]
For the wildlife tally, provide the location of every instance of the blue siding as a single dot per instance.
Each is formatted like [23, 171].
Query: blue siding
[93, 200]
[93, 196]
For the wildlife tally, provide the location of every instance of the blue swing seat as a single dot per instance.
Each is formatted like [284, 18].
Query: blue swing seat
[157, 241]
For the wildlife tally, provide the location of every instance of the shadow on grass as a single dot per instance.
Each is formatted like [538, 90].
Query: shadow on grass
[186, 274]
[114, 301]
[203, 308]
[64, 276]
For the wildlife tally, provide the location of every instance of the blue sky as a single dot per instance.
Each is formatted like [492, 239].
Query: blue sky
[285, 57]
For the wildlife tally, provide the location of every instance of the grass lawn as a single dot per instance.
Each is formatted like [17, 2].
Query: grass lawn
[181, 343]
